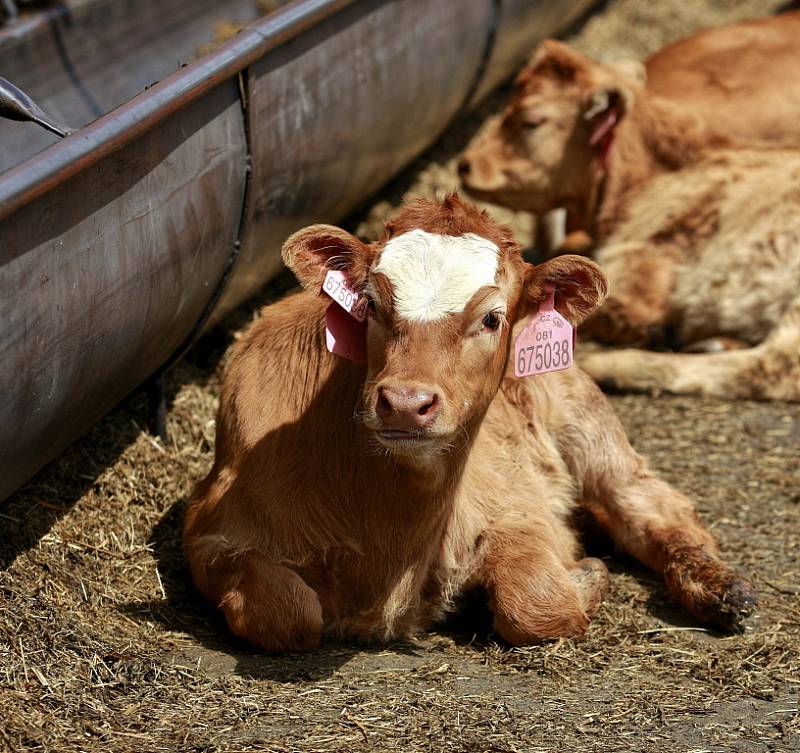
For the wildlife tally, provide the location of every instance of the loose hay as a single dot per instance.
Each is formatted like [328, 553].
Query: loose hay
[104, 645]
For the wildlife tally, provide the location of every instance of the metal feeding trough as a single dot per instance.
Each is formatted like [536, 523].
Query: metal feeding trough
[168, 205]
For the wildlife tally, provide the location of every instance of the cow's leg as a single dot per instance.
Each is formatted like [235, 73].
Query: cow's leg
[654, 522]
[715, 345]
[267, 604]
[536, 589]
[641, 279]
[562, 231]
[768, 371]
[550, 231]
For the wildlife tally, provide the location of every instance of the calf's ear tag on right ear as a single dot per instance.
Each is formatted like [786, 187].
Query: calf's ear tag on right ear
[546, 343]
[345, 325]
[337, 287]
[344, 335]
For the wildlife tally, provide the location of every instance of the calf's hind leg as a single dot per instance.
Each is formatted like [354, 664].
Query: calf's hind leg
[267, 604]
[537, 590]
[768, 371]
[641, 278]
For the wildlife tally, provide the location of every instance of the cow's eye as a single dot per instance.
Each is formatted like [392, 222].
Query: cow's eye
[534, 121]
[491, 321]
[370, 306]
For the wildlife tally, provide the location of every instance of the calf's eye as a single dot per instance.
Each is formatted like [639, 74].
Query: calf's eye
[491, 321]
[534, 121]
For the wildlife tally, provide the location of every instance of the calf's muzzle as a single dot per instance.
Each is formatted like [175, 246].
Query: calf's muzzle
[406, 407]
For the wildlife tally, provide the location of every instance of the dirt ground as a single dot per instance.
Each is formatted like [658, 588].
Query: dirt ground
[105, 646]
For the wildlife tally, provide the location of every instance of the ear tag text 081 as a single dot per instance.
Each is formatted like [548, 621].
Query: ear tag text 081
[345, 325]
[546, 343]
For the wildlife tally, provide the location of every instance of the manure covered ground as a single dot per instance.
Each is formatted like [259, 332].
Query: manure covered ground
[105, 647]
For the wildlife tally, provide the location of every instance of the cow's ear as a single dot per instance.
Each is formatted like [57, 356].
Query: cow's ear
[610, 99]
[311, 252]
[555, 60]
[580, 286]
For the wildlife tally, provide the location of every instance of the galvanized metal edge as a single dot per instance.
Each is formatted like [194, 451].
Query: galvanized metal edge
[34, 177]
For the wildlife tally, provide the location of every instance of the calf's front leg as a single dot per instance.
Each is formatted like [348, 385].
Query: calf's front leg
[537, 591]
[654, 522]
[267, 604]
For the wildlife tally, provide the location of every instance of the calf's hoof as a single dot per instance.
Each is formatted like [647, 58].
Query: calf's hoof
[715, 345]
[709, 589]
[590, 576]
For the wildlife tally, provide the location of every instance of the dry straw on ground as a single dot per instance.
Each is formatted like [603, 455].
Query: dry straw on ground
[105, 647]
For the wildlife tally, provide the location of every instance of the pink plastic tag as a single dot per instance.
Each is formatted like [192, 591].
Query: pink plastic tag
[344, 335]
[603, 126]
[546, 343]
[353, 303]
[602, 135]
[345, 328]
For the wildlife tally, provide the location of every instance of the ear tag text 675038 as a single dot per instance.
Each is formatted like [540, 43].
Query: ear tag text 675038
[546, 343]
[345, 318]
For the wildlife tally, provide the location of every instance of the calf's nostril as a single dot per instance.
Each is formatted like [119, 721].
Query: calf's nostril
[428, 406]
[463, 167]
[384, 406]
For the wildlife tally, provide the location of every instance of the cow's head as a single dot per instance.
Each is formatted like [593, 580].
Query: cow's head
[544, 150]
[445, 286]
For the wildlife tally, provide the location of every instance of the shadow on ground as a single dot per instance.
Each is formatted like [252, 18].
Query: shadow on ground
[214, 649]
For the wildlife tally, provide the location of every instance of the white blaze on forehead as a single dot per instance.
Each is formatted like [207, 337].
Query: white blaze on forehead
[435, 275]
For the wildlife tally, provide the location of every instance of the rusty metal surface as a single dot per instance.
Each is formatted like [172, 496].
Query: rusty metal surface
[116, 242]
[81, 59]
[95, 142]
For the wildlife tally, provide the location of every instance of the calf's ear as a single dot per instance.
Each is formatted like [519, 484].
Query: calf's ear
[609, 100]
[555, 60]
[580, 286]
[311, 252]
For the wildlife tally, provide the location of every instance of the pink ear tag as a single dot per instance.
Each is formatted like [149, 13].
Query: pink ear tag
[353, 303]
[603, 126]
[546, 343]
[345, 325]
[602, 135]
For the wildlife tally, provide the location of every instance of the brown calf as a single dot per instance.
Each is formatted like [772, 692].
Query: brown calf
[358, 500]
[700, 240]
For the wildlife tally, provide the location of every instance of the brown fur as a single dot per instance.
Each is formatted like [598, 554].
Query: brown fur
[700, 237]
[308, 525]
[735, 78]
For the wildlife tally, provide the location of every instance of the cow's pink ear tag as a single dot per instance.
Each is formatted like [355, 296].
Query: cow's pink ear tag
[546, 343]
[345, 319]
[602, 135]
[338, 288]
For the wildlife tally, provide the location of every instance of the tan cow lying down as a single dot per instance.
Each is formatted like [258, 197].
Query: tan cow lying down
[357, 501]
[700, 241]
[734, 78]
